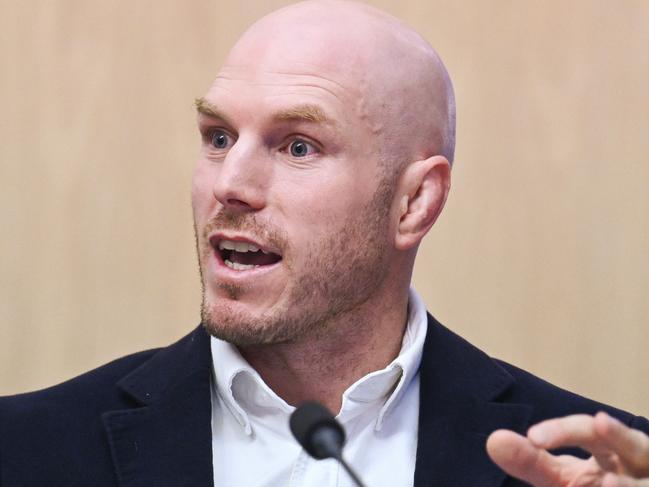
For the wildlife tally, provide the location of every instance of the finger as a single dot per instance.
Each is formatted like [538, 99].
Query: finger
[630, 445]
[576, 431]
[614, 480]
[517, 456]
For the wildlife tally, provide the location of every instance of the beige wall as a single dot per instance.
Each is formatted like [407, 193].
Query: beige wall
[540, 257]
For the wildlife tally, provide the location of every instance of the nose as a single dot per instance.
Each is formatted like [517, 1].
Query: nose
[241, 179]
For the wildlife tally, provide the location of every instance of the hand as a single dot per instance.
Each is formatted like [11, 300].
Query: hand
[620, 455]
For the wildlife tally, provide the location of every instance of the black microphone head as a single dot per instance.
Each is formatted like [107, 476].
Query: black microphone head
[316, 429]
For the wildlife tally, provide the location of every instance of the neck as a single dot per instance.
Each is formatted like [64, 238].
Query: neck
[320, 368]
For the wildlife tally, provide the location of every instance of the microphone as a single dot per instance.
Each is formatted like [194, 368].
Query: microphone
[318, 432]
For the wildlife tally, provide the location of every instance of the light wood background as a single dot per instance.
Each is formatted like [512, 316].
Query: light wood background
[541, 256]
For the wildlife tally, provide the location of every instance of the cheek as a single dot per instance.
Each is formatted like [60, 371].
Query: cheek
[333, 190]
[201, 193]
[317, 209]
[313, 218]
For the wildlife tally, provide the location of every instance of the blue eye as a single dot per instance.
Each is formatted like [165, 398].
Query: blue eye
[300, 148]
[220, 139]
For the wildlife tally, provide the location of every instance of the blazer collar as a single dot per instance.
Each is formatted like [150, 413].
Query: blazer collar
[167, 440]
[460, 405]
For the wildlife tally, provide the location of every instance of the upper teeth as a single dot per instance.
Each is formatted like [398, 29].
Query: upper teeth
[238, 246]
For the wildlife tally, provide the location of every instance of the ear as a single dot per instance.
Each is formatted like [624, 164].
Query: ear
[422, 193]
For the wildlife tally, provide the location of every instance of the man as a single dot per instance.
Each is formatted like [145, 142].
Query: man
[327, 141]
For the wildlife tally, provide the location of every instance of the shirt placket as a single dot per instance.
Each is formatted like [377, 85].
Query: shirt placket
[309, 472]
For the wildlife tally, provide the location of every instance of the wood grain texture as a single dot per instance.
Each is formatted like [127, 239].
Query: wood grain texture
[540, 256]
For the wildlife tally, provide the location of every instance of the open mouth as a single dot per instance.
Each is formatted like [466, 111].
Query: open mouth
[242, 256]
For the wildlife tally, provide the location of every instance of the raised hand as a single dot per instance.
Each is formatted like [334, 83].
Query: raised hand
[620, 455]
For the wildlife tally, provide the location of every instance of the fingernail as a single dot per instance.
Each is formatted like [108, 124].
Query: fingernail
[537, 435]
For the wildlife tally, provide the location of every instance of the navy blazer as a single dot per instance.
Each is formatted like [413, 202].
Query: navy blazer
[144, 420]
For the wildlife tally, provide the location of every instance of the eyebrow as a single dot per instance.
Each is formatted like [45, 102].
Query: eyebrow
[206, 108]
[300, 113]
[303, 113]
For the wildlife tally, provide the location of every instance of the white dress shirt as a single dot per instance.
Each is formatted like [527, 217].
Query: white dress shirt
[252, 445]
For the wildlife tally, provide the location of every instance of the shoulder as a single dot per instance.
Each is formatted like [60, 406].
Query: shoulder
[61, 427]
[62, 407]
[109, 387]
[550, 401]
[90, 386]
[64, 427]
[453, 367]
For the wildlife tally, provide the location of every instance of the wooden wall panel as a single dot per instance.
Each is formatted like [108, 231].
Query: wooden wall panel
[540, 256]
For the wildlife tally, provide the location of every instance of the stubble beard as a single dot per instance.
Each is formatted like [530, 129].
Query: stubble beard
[342, 273]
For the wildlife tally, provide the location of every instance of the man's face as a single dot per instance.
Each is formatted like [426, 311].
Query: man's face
[291, 207]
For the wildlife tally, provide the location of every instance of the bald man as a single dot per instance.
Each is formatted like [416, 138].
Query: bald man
[326, 147]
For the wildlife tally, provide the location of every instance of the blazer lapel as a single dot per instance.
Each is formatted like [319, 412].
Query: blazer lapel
[459, 408]
[167, 440]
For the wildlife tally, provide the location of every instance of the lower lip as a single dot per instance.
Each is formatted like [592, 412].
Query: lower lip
[236, 275]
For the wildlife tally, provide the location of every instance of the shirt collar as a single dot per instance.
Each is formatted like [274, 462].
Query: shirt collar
[386, 387]
[242, 389]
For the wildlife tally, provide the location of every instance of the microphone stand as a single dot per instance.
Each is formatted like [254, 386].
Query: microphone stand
[350, 471]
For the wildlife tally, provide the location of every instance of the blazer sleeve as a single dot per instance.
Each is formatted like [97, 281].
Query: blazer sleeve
[637, 422]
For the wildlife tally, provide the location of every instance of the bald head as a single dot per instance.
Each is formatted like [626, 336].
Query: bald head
[396, 82]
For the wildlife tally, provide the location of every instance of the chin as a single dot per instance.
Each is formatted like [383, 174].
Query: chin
[235, 322]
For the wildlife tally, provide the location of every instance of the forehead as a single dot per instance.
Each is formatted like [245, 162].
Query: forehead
[286, 59]
[286, 91]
